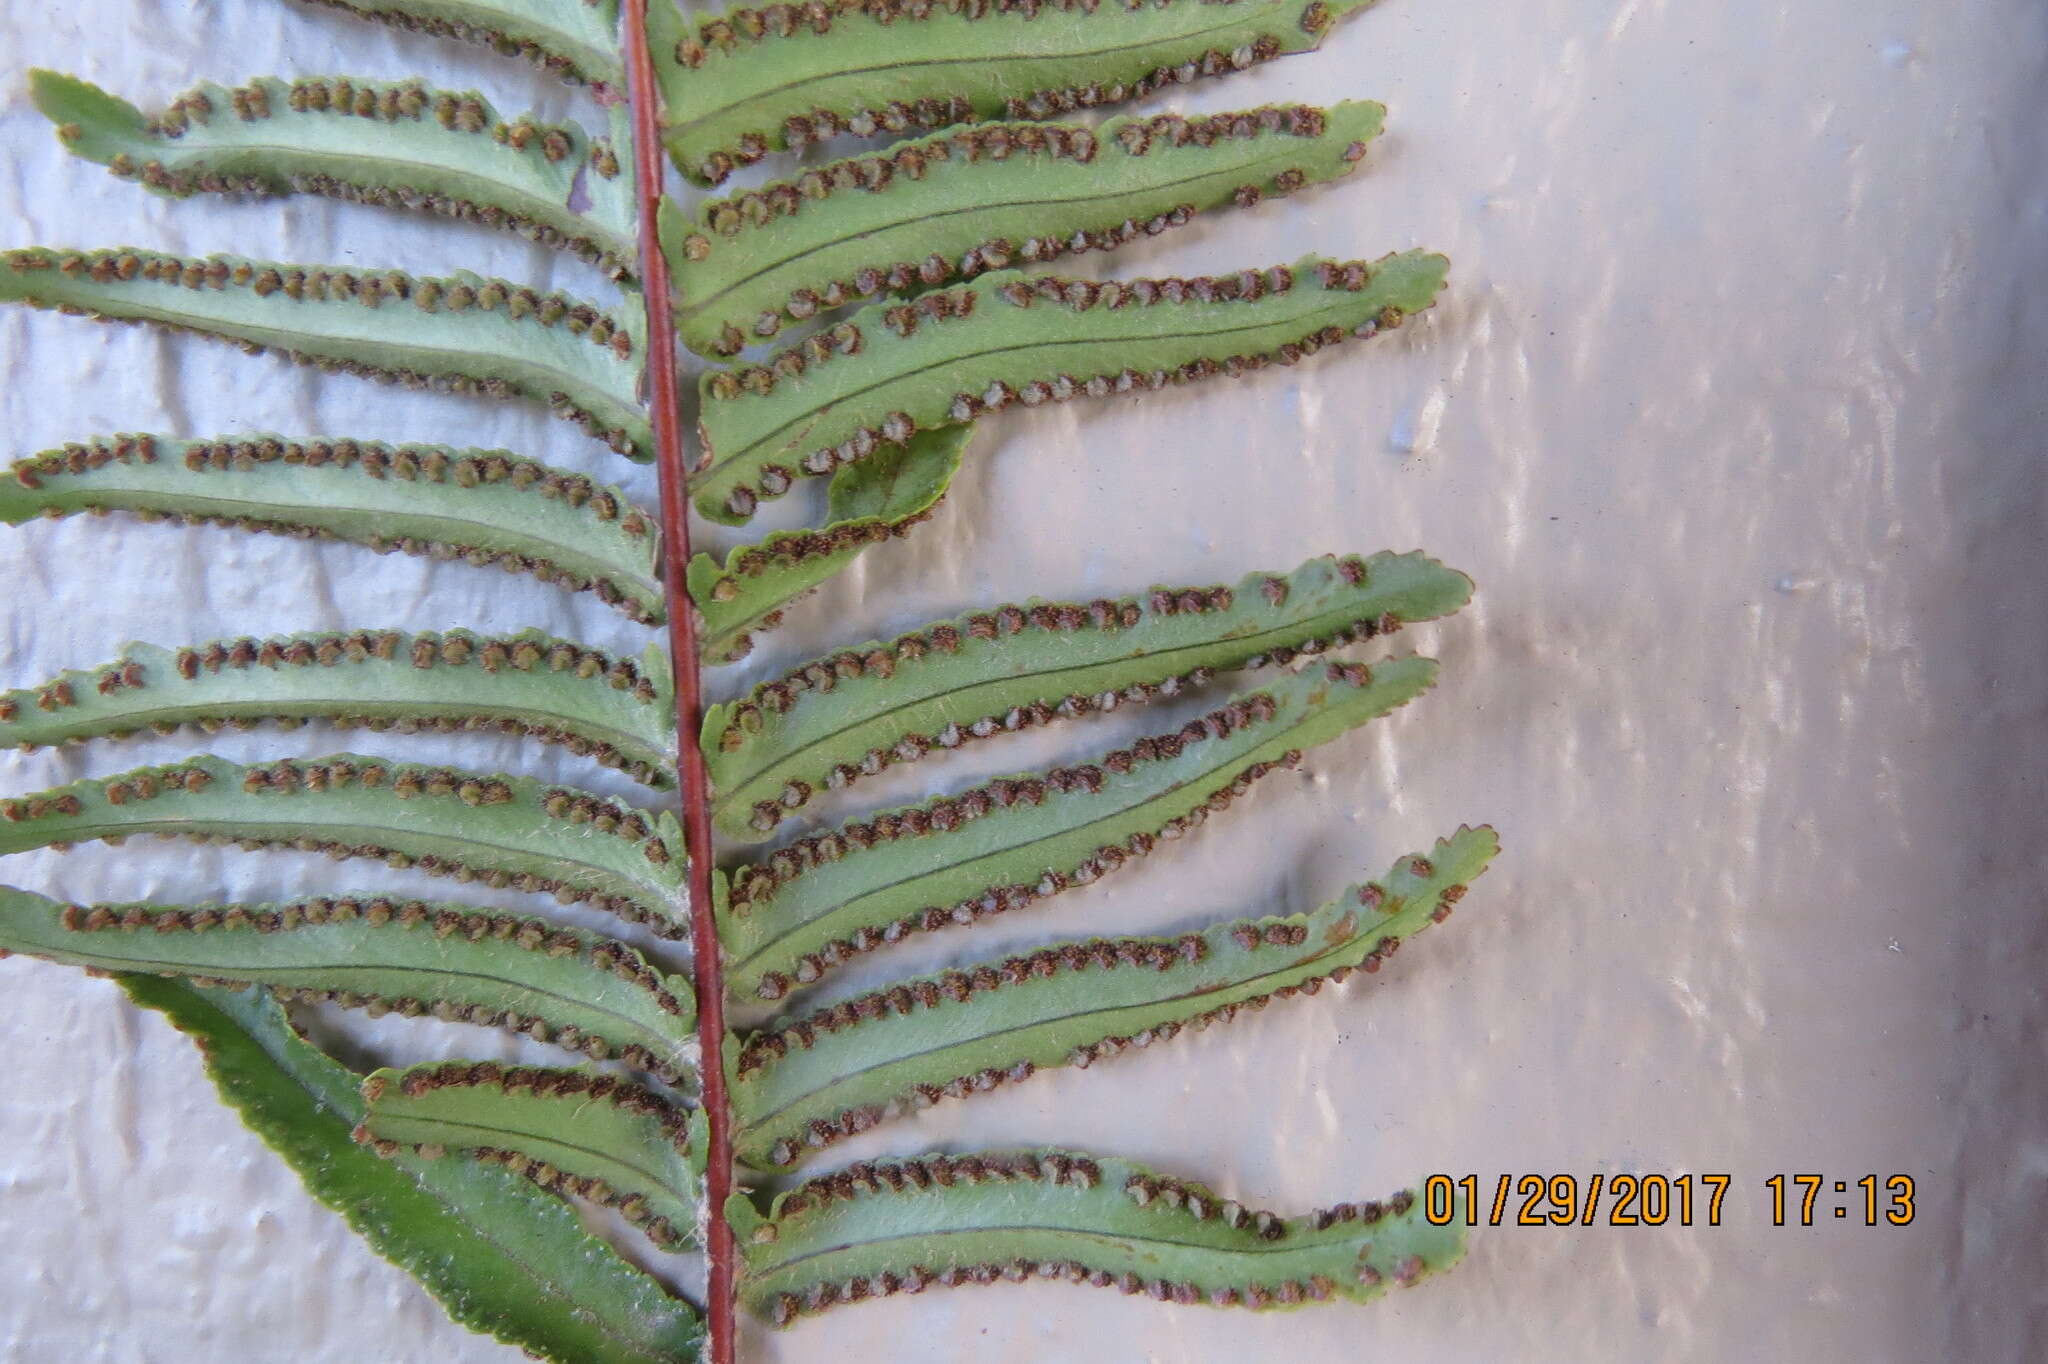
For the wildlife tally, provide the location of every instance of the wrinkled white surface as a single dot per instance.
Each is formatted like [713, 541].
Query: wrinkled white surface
[1734, 410]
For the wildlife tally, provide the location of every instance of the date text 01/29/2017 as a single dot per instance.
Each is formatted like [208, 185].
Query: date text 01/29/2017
[1662, 1200]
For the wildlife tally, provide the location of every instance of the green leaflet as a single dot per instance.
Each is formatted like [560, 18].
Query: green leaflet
[463, 333]
[504, 831]
[903, 1226]
[1006, 338]
[978, 198]
[833, 896]
[529, 683]
[579, 990]
[751, 81]
[499, 1255]
[400, 145]
[872, 501]
[572, 1131]
[577, 40]
[812, 1081]
[482, 506]
[856, 712]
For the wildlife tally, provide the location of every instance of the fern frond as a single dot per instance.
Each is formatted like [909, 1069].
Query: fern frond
[905, 1226]
[578, 990]
[960, 353]
[854, 713]
[484, 507]
[569, 1131]
[401, 145]
[875, 500]
[501, 1256]
[751, 81]
[811, 1081]
[833, 896]
[530, 683]
[504, 831]
[883, 400]
[577, 40]
[980, 198]
[463, 333]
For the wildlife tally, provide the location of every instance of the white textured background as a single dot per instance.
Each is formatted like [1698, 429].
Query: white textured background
[1735, 410]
